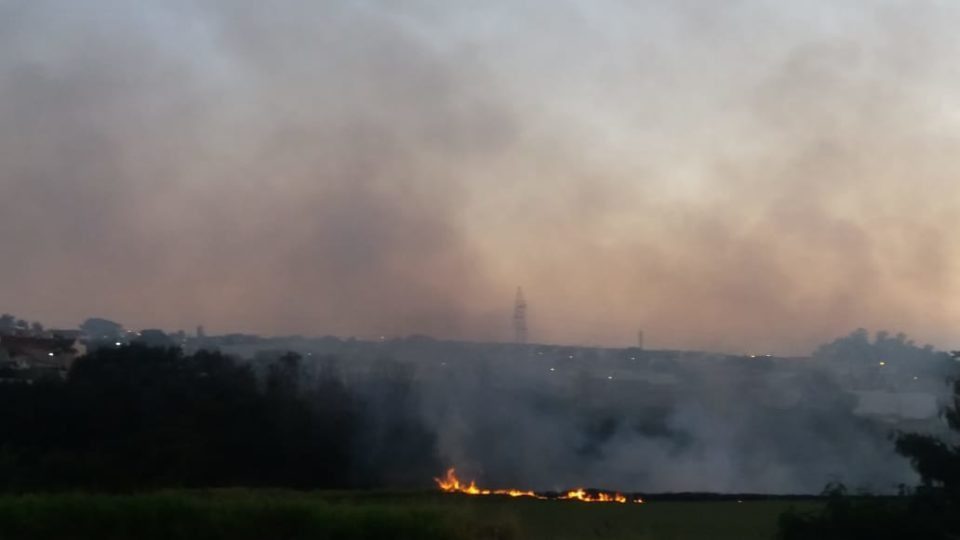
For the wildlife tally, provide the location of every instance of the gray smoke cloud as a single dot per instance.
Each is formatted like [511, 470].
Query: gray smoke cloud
[553, 418]
[645, 421]
[746, 176]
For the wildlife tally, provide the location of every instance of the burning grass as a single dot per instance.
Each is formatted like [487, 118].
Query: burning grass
[451, 484]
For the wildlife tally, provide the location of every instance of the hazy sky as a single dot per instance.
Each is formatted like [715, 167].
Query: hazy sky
[749, 175]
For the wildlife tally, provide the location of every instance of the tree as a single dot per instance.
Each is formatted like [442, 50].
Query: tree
[139, 417]
[930, 511]
[7, 323]
[98, 329]
[155, 338]
[937, 462]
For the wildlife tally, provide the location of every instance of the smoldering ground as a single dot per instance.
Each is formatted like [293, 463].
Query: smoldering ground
[753, 176]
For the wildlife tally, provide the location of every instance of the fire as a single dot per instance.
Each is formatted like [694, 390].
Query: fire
[581, 495]
[451, 484]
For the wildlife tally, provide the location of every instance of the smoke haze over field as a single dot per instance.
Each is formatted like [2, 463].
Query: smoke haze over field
[551, 418]
[749, 175]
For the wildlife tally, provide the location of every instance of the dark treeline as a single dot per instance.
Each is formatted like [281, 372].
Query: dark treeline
[135, 418]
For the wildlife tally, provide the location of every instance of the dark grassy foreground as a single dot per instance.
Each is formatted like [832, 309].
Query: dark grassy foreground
[240, 515]
[234, 515]
[665, 520]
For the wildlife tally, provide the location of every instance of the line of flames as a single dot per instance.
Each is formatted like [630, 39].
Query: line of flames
[451, 484]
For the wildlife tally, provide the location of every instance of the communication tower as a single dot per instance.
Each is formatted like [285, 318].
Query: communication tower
[520, 317]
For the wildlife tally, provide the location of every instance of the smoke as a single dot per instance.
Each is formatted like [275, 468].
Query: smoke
[550, 419]
[751, 176]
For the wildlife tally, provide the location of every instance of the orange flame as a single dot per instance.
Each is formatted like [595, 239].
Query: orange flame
[581, 495]
[451, 484]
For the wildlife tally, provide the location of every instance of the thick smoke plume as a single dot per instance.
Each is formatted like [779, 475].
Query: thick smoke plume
[551, 418]
[739, 176]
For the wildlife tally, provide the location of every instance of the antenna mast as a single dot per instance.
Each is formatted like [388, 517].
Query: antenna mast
[520, 317]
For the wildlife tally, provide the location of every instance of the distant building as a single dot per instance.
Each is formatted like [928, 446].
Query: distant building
[27, 358]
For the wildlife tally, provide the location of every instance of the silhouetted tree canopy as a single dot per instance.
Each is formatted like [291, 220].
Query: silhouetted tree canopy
[134, 418]
[101, 329]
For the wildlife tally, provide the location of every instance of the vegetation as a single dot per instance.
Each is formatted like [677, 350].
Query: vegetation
[849, 517]
[10, 324]
[93, 450]
[713, 520]
[139, 418]
[236, 515]
[243, 514]
[930, 511]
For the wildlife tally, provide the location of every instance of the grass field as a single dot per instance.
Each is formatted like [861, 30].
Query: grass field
[243, 514]
[562, 520]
